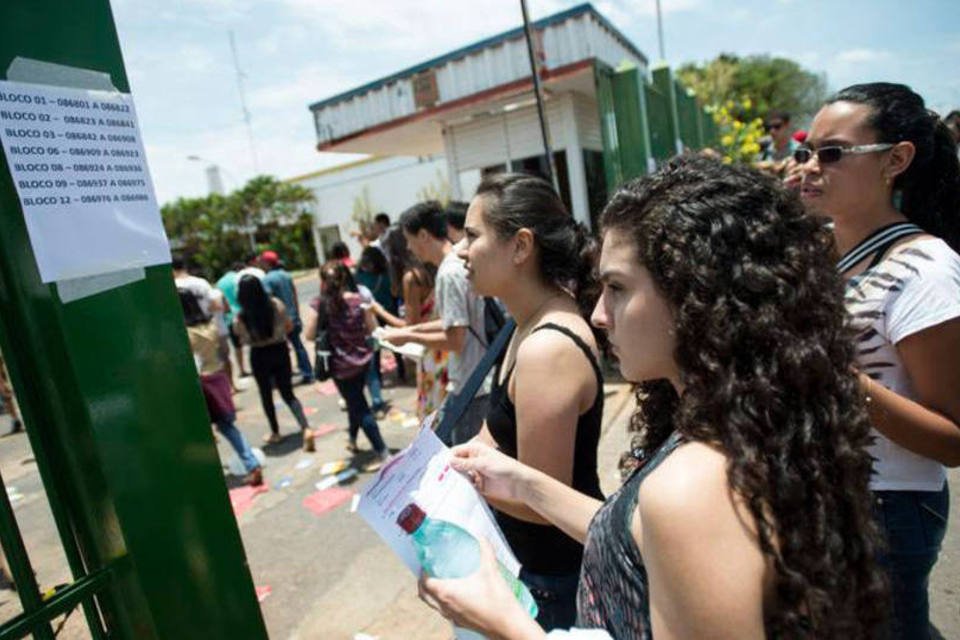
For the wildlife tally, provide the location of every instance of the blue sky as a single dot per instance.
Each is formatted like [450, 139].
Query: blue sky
[294, 52]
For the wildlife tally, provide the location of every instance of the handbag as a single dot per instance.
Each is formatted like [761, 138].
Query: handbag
[322, 351]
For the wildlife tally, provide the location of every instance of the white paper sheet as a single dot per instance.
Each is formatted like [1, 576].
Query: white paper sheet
[78, 163]
[410, 349]
[421, 473]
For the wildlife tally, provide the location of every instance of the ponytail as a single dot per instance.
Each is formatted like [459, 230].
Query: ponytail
[930, 187]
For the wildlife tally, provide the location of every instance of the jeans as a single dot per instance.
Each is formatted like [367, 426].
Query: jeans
[556, 598]
[358, 411]
[915, 523]
[271, 368]
[303, 360]
[233, 435]
[375, 382]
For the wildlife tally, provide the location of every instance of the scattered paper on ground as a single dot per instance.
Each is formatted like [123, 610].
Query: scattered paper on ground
[324, 429]
[263, 592]
[241, 498]
[326, 388]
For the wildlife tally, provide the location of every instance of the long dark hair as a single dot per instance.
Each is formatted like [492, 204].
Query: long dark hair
[335, 280]
[193, 315]
[566, 252]
[930, 186]
[765, 359]
[402, 261]
[258, 311]
[373, 261]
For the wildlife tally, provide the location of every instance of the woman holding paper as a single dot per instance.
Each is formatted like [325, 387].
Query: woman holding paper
[749, 515]
[523, 247]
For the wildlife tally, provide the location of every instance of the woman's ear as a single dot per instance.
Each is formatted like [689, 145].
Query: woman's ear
[899, 159]
[523, 246]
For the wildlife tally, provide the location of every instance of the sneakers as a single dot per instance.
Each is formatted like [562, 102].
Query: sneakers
[255, 477]
[342, 404]
[272, 438]
[308, 443]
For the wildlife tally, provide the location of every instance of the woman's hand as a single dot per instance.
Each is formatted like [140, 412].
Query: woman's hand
[397, 337]
[481, 601]
[492, 473]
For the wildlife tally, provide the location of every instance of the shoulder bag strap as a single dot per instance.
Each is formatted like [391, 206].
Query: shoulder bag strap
[458, 404]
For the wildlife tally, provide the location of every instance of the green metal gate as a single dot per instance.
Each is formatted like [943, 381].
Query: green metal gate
[114, 414]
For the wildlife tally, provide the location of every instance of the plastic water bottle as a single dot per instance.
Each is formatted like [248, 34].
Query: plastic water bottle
[446, 550]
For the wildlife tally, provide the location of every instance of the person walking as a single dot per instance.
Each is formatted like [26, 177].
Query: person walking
[263, 324]
[373, 272]
[340, 312]
[884, 169]
[279, 284]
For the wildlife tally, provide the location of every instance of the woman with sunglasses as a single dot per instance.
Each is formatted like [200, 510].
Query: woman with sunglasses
[885, 170]
[749, 515]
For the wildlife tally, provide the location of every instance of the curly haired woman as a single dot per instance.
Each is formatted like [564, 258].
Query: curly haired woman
[749, 515]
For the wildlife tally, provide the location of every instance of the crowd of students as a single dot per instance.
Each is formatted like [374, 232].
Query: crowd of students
[795, 344]
[794, 340]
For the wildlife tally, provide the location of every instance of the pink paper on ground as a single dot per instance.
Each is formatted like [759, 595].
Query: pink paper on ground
[263, 592]
[310, 410]
[324, 429]
[326, 388]
[320, 502]
[241, 498]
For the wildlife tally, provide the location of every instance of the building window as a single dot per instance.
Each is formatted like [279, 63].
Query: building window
[596, 185]
[537, 166]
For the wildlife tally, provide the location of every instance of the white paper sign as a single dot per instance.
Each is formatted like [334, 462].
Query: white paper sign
[422, 473]
[79, 167]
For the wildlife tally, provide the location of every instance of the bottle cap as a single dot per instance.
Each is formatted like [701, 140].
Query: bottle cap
[411, 517]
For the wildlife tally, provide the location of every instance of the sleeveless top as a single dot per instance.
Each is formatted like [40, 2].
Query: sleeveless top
[545, 549]
[347, 331]
[613, 592]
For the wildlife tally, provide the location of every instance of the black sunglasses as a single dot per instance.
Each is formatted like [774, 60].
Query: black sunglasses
[828, 155]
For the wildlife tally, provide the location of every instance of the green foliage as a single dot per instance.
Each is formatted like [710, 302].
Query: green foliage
[763, 81]
[214, 232]
[439, 190]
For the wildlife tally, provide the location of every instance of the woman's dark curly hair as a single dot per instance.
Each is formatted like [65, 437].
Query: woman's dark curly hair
[765, 359]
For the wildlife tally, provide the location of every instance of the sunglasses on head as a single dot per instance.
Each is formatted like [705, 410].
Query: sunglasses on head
[827, 155]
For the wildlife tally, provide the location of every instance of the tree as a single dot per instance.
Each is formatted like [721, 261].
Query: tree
[762, 81]
[213, 232]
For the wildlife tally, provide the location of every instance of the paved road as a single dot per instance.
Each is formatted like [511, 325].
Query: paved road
[330, 577]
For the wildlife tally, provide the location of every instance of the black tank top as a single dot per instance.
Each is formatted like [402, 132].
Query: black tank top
[545, 549]
[613, 593]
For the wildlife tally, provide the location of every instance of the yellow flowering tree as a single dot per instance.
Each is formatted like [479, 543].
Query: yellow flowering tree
[739, 135]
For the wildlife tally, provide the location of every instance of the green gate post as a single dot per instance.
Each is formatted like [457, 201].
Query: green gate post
[612, 168]
[113, 410]
[663, 81]
[632, 129]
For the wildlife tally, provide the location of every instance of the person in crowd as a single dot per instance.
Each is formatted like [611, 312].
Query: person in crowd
[412, 285]
[8, 399]
[263, 324]
[884, 169]
[212, 303]
[340, 311]
[252, 267]
[279, 284]
[340, 252]
[227, 284]
[373, 272]
[523, 247]
[381, 228]
[952, 120]
[777, 126]
[460, 327]
[749, 515]
[204, 343]
[456, 215]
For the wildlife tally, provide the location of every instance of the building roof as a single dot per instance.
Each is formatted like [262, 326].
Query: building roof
[571, 13]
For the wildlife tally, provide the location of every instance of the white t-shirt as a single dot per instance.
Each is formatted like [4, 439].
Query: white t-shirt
[459, 306]
[917, 286]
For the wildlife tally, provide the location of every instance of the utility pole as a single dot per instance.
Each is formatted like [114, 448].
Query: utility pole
[243, 104]
[663, 55]
[538, 92]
